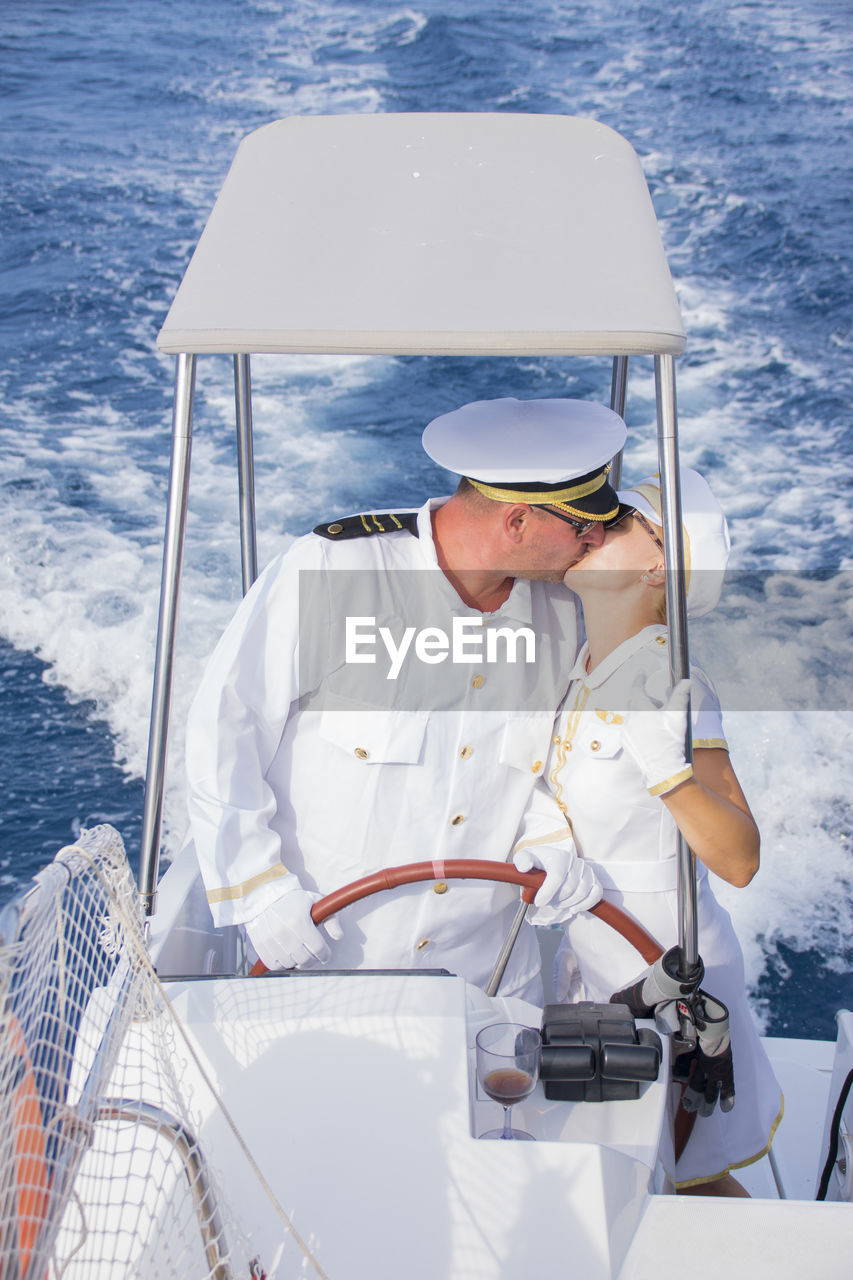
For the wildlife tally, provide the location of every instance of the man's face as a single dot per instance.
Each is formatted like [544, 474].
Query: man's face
[550, 546]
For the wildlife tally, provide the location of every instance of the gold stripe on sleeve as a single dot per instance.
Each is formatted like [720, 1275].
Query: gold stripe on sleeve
[711, 742]
[240, 890]
[553, 837]
[682, 776]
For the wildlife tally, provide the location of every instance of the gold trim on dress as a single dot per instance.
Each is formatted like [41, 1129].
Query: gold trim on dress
[564, 744]
[711, 743]
[739, 1164]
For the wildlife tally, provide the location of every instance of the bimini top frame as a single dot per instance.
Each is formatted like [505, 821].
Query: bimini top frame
[429, 234]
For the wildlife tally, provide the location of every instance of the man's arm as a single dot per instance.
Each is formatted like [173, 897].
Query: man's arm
[233, 732]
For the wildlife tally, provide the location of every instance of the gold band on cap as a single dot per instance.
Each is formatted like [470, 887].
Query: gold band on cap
[543, 497]
[575, 511]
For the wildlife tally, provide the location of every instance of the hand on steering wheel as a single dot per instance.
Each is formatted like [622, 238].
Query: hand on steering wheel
[570, 884]
[285, 936]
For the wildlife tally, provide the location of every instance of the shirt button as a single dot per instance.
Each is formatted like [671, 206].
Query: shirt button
[478, 682]
[424, 942]
[595, 746]
[361, 753]
[557, 740]
[537, 766]
[458, 820]
[466, 753]
[441, 887]
[660, 640]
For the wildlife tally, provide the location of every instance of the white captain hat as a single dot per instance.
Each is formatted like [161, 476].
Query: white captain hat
[706, 534]
[554, 453]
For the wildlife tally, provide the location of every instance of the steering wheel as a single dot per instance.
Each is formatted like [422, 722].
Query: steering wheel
[472, 869]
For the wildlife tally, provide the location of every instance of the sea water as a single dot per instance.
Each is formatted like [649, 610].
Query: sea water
[119, 121]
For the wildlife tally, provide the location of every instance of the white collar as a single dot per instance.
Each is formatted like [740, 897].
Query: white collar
[654, 634]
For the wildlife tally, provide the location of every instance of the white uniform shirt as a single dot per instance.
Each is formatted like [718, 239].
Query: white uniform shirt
[300, 762]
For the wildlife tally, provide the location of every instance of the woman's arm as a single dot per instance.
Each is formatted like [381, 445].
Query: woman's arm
[713, 816]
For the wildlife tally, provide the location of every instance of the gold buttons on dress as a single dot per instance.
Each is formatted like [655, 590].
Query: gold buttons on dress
[660, 639]
[594, 745]
[424, 942]
[361, 753]
[335, 528]
[458, 820]
[536, 766]
[466, 753]
[441, 887]
[556, 740]
[478, 682]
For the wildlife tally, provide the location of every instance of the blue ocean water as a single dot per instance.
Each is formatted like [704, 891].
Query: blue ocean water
[118, 123]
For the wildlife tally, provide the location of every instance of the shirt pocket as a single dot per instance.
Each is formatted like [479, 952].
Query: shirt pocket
[525, 742]
[376, 736]
[598, 737]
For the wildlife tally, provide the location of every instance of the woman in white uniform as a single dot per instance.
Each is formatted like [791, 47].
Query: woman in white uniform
[618, 771]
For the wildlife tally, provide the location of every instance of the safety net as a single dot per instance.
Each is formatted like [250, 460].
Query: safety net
[101, 1170]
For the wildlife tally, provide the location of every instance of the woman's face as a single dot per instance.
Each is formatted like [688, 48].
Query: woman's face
[627, 552]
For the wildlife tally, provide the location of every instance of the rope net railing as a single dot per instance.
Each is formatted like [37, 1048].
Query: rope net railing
[101, 1170]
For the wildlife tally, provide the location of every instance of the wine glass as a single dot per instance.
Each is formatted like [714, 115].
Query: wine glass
[508, 1068]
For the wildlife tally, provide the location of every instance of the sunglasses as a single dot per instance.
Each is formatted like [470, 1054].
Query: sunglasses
[646, 525]
[580, 526]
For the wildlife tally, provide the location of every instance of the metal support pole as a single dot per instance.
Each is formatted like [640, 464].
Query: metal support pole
[245, 470]
[176, 520]
[497, 974]
[618, 394]
[676, 612]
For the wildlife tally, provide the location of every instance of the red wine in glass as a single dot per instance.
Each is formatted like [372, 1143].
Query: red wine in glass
[508, 1085]
[508, 1068]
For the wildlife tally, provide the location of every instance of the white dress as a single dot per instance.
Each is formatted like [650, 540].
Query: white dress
[631, 840]
[305, 760]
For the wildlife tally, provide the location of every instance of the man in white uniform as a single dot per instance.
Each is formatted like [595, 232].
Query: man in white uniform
[386, 694]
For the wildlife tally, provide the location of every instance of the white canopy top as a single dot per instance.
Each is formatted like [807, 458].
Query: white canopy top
[430, 234]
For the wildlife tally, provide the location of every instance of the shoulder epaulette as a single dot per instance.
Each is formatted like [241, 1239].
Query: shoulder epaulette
[362, 526]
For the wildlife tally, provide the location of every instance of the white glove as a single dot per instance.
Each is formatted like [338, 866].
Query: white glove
[570, 884]
[285, 936]
[654, 736]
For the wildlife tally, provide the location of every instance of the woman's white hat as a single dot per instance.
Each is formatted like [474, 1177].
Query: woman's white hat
[706, 534]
